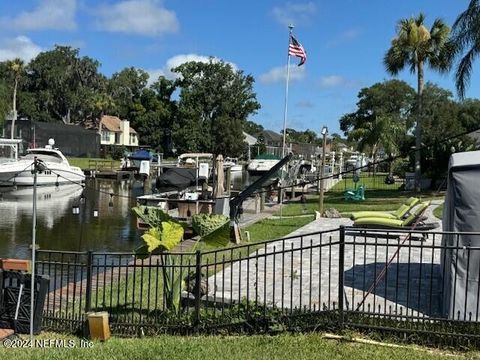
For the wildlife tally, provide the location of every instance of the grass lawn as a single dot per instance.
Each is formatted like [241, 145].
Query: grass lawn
[142, 290]
[83, 163]
[438, 212]
[286, 346]
[275, 228]
[379, 200]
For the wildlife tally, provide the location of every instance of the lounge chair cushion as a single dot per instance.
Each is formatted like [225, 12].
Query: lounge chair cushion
[393, 223]
[397, 214]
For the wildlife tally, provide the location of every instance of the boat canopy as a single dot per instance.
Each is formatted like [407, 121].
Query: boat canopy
[196, 155]
[143, 154]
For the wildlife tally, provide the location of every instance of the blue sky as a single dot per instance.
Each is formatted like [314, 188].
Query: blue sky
[345, 41]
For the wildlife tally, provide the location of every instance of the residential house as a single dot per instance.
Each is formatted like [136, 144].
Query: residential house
[117, 132]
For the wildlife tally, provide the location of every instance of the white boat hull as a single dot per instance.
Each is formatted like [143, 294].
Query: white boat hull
[20, 174]
[236, 168]
[258, 166]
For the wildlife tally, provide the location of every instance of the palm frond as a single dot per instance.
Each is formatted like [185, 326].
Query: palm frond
[464, 71]
[395, 59]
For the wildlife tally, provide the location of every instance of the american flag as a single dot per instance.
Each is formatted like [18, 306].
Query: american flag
[296, 49]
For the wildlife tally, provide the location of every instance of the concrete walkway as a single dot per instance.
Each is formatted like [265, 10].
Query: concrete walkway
[302, 272]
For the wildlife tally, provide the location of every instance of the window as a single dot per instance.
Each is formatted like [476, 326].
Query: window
[117, 138]
[133, 139]
[105, 135]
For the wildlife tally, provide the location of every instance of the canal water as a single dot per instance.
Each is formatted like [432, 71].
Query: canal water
[59, 228]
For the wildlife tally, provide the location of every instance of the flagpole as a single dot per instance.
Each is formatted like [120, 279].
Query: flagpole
[280, 193]
[290, 27]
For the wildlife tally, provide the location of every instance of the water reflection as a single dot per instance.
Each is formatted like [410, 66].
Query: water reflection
[59, 229]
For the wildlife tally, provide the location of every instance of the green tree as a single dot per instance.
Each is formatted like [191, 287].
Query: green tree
[4, 101]
[252, 128]
[302, 137]
[444, 116]
[465, 39]
[382, 117]
[17, 70]
[62, 85]
[126, 88]
[415, 46]
[155, 124]
[215, 102]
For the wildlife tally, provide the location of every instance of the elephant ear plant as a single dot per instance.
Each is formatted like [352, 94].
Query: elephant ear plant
[165, 233]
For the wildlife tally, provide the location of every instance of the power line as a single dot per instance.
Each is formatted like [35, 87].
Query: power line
[303, 183]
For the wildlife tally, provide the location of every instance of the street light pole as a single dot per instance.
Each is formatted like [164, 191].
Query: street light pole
[34, 245]
[322, 171]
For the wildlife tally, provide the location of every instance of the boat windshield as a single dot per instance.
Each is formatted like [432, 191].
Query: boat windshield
[47, 157]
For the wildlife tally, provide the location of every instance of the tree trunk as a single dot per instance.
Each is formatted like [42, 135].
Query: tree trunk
[12, 130]
[418, 128]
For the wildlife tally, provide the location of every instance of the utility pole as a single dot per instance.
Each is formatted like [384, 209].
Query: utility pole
[322, 171]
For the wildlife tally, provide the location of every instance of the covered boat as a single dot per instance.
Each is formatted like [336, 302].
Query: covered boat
[460, 258]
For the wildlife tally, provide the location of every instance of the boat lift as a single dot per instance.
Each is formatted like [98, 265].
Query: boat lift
[236, 201]
[13, 144]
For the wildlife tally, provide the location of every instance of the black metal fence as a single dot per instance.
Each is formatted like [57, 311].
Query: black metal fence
[398, 281]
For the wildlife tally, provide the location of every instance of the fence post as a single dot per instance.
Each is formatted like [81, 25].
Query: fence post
[88, 290]
[198, 280]
[341, 263]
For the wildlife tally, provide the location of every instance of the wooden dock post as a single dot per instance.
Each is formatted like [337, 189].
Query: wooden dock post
[228, 181]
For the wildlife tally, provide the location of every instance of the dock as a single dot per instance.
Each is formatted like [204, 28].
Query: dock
[106, 169]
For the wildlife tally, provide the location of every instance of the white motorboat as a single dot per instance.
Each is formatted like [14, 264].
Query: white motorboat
[261, 164]
[232, 164]
[55, 169]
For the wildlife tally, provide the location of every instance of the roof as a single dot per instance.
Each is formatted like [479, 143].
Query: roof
[272, 136]
[249, 139]
[112, 123]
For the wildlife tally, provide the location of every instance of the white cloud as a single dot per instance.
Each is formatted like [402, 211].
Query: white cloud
[20, 47]
[279, 73]
[178, 60]
[143, 17]
[294, 13]
[332, 81]
[305, 104]
[345, 37]
[48, 15]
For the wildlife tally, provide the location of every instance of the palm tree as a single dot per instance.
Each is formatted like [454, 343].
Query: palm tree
[466, 39]
[381, 131]
[415, 46]
[16, 68]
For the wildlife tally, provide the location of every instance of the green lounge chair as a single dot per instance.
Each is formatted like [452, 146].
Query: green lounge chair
[357, 194]
[398, 214]
[414, 217]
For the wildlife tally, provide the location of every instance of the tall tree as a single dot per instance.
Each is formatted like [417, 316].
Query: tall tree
[215, 102]
[155, 124]
[415, 46]
[125, 88]
[63, 84]
[17, 70]
[445, 116]
[465, 39]
[382, 117]
[4, 101]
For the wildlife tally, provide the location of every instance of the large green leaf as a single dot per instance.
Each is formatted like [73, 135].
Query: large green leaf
[171, 235]
[152, 238]
[151, 215]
